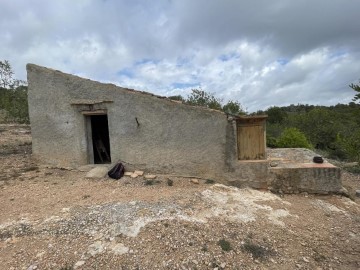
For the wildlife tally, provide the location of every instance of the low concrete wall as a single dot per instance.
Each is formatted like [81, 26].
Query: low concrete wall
[250, 173]
[307, 177]
[293, 170]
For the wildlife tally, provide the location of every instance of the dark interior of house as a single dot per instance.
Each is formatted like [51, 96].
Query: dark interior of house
[100, 138]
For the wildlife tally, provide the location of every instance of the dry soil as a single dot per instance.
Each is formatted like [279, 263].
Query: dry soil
[56, 218]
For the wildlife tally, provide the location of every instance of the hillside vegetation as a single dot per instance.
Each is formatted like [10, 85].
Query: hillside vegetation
[13, 96]
[13, 105]
[334, 130]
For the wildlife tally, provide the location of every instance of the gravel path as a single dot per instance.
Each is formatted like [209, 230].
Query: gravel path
[54, 218]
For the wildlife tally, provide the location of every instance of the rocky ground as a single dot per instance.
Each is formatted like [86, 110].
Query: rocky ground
[53, 218]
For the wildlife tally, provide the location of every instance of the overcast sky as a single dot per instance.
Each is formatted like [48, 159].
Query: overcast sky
[261, 53]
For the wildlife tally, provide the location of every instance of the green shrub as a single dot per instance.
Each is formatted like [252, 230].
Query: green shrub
[257, 251]
[354, 170]
[149, 182]
[209, 181]
[350, 144]
[170, 182]
[293, 138]
[271, 141]
[225, 245]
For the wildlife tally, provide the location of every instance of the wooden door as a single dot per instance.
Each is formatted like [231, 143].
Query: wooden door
[251, 140]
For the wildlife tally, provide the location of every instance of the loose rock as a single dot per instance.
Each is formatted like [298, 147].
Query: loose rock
[274, 164]
[78, 264]
[139, 173]
[150, 176]
[194, 181]
[96, 248]
[119, 249]
[97, 172]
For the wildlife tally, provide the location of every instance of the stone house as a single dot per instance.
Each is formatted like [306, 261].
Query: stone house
[76, 121]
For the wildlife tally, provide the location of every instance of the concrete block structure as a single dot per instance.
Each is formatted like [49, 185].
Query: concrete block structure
[77, 121]
[295, 172]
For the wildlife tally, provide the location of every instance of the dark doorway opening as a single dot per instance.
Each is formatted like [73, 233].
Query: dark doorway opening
[100, 139]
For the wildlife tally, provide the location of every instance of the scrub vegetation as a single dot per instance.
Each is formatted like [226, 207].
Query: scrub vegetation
[13, 96]
[332, 131]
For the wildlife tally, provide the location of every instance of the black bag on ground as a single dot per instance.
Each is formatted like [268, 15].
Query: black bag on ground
[117, 171]
[318, 159]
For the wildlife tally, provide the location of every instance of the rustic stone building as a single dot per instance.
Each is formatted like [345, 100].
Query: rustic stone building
[76, 121]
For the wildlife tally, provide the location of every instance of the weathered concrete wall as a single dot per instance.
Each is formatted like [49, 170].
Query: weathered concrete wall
[55, 124]
[293, 171]
[310, 179]
[170, 137]
[252, 173]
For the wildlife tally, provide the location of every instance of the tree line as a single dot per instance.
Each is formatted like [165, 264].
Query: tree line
[13, 96]
[199, 97]
[333, 130]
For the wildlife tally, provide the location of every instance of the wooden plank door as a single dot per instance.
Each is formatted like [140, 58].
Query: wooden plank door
[251, 141]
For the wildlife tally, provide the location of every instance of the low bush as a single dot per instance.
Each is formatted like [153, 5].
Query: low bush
[225, 245]
[293, 138]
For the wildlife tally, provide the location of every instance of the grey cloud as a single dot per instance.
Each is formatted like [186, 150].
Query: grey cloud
[189, 43]
[291, 26]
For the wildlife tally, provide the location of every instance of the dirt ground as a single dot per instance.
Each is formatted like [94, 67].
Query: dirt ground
[55, 218]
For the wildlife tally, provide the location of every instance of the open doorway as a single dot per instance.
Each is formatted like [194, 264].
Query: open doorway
[100, 139]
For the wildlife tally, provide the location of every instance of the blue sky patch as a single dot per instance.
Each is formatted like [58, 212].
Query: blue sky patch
[184, 85]
[126, 72]
[338, 54]
[282, 61]
[146, 61]
[227, 57]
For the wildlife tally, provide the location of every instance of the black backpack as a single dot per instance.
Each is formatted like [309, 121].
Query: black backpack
[318, 159]
[117, 171]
